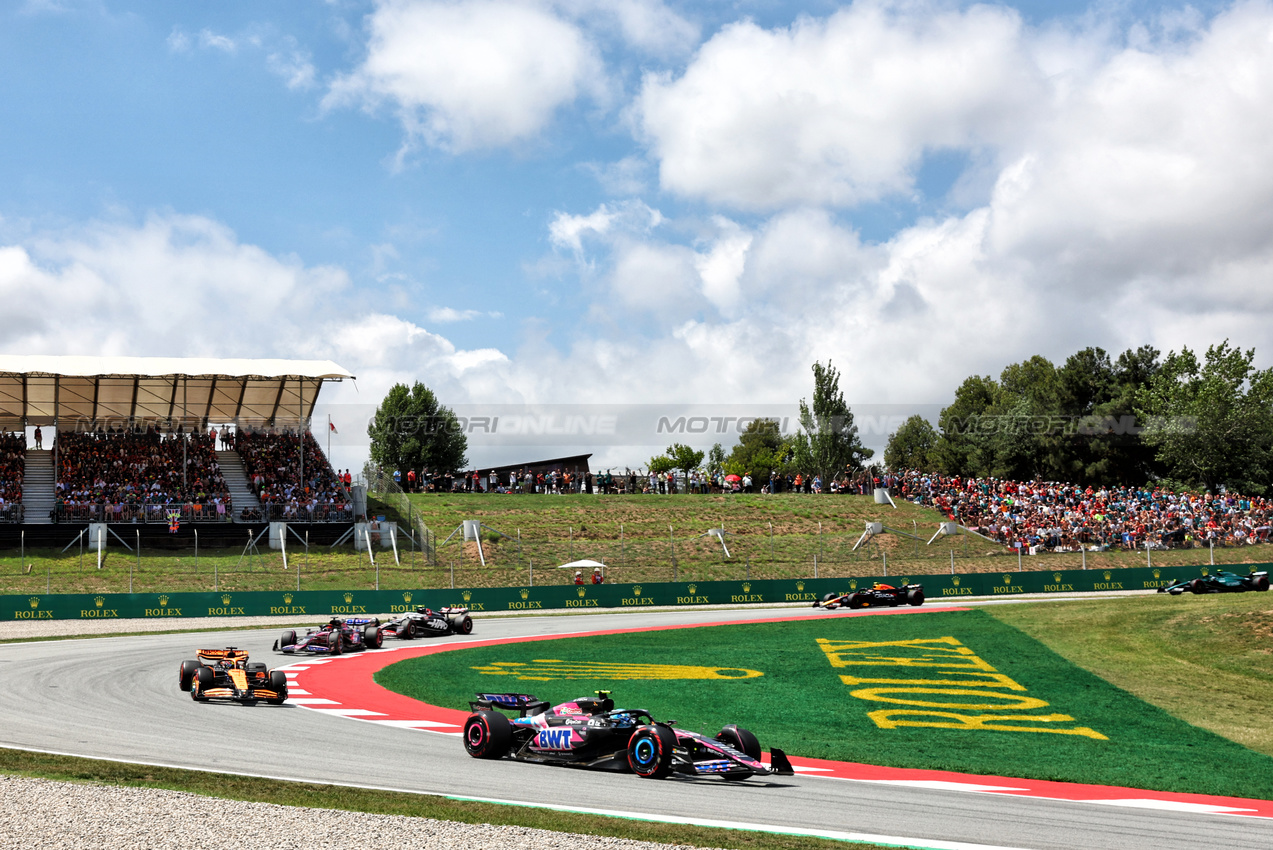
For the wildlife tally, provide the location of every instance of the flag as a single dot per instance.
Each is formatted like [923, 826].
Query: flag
[332, 426]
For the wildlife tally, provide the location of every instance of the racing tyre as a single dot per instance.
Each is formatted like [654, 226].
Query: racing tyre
[188, 669]
[371, 637]
[915, 597]
[288, 639]
[1262, 583]
[336, 643]
[650, 752]
[278, 684]
[463, 625]
[202, 681]
[487, 735]
[1196, 586]
[407, 632]
[856, 600]
[741, 740]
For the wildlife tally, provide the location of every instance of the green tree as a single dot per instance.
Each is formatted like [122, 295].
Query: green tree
[684, 457]
[828, 442]
[660, 464]
[1211, 423]
[965, 427]
[911, 446]
[412, 430]
[715, 459]
[760, 450]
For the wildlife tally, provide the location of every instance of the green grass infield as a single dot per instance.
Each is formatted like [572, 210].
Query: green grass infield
[956, 691]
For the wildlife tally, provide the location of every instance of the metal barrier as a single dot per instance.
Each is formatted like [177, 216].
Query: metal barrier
[13, 513]
[380, 484]
[318, 513]
[132, 514]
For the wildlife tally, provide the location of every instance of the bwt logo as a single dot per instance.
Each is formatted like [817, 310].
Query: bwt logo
[553, 739]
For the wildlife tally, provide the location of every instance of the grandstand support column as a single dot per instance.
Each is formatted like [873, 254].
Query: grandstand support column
[185, 461]
[57, 470]
[300, 431]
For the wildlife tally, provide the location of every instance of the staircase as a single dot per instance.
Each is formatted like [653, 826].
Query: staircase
[38, 488]
[236, 480]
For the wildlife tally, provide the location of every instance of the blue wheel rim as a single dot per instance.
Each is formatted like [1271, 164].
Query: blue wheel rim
[644, 751]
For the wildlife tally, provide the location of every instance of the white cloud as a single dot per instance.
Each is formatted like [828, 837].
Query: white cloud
[178, 41]
[447, 315]
[722, 266]
[648, 25]
[474, 73]
[622, 178]
[293, 64]
[837, 111]
[216, 41]
[569, 231]
[186, 286]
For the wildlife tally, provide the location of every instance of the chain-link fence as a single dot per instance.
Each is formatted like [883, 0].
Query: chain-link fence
[383, 489]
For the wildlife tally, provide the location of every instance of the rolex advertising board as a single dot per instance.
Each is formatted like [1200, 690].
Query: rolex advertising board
[321, 605]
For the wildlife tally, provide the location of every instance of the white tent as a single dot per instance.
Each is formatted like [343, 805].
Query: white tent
[190, 391]
[579, 565]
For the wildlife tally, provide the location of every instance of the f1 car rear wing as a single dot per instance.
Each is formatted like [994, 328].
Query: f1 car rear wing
[230, 653]
[523, 704]
[362, 621]
[452, 610]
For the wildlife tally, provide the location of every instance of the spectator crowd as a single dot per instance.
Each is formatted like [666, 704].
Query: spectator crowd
[273, 463]
[1058, 517]
[119, 475]
[13, 449]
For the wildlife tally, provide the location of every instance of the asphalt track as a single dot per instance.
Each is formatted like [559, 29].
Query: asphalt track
[117, 698]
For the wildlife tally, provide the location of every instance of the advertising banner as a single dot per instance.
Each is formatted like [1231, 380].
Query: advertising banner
[324, 604]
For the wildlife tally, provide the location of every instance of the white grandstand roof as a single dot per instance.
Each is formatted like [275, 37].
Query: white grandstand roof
[190, 391]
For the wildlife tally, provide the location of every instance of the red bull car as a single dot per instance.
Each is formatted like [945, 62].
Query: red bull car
[333, 638]
[877, 596]
[1221, 581]
[425, 622]
[227, 674]
[591, 732]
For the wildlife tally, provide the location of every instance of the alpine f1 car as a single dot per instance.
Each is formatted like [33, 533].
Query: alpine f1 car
[1220, 582]
[878, 596]
[333, 638]
[591, 732]
[227, 674]
[425, 622]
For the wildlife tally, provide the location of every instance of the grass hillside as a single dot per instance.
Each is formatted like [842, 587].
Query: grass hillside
[651, 538]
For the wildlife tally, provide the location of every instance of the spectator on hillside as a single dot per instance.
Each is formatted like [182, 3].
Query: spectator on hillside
[1063, 517]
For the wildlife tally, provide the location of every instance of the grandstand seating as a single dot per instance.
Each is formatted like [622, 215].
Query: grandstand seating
[12, 470]
[272, 461]
[138, 476]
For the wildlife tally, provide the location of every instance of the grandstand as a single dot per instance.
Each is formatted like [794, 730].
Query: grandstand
[158, 441]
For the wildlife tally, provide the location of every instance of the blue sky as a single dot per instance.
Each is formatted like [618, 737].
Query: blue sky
[632, 201]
